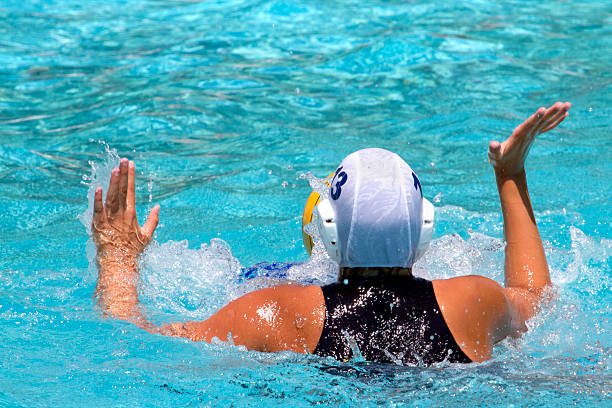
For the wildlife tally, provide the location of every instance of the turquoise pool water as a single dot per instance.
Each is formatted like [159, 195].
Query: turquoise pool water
[224, 106]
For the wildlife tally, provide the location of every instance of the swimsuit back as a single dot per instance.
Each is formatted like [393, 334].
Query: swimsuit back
[391, 319]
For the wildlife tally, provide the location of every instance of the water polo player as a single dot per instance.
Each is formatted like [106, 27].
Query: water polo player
[371, 225]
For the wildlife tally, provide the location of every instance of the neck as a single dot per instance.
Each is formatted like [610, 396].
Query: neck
[371, 272]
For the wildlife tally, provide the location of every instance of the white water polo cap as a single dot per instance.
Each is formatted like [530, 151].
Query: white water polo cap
[375, 214]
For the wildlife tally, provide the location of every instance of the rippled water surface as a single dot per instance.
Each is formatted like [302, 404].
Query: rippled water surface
[224, 106]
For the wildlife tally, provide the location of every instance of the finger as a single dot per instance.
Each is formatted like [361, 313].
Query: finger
[532, 122]
[553, 120]
[560, 115]
[149, 227]
[123, 182]
[130, 200]
[548, 116]
[98, 207]
[557, 108]
[556, 123]
[112, 202]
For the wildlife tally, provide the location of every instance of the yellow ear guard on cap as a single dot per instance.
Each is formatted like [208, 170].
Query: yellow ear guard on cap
[307, 215]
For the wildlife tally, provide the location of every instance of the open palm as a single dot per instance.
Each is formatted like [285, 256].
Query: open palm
[508, 157]
[115, 227]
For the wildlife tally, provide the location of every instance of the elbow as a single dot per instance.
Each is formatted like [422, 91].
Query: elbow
[525, 303]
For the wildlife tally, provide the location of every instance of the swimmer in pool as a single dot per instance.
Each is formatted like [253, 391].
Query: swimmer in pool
[377, 306]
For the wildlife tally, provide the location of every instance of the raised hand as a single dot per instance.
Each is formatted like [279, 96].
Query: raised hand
[115, 228]
[508, 158]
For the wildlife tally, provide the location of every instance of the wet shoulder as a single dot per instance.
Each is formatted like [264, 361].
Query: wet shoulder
[476, 312]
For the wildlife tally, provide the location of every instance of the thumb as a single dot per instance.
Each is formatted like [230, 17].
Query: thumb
[494, 152]
[495, 148]
[152, 220]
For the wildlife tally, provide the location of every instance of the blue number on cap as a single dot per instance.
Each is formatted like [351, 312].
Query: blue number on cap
[417, 183]
[336, 189]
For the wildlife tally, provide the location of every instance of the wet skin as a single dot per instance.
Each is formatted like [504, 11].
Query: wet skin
[478, 311]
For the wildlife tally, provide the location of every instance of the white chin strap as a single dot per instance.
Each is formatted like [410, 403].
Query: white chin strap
[326, 223]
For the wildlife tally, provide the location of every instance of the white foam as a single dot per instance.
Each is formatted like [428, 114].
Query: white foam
[191, 282]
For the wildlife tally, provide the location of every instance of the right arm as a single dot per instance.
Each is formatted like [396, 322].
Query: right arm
[478, 311]
[526, 270]
[282, 318]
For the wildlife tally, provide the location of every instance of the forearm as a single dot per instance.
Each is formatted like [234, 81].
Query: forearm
[116, 288]
[525, 264]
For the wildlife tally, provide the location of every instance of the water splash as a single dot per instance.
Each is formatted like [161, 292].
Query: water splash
[319, 185]
[192, 283]
[98, 177]
[586, 252]
[319, 270]
[451, 255]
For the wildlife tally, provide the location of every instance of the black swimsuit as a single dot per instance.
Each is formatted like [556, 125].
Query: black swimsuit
[391, 319]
